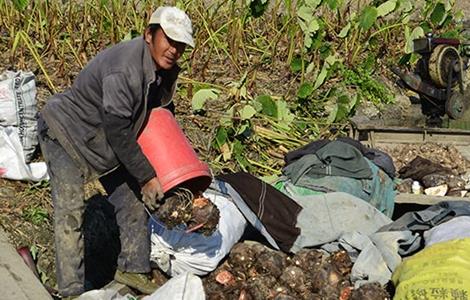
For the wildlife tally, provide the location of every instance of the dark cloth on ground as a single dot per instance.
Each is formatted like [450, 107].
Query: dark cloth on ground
[420, 167]
[334, 159]
[265, 201]
[380, 158]
[432, 216]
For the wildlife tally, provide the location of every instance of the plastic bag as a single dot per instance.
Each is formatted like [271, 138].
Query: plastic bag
[177, 252]
[183, 287]
[18, 108]
[12, 161]
[441, 271]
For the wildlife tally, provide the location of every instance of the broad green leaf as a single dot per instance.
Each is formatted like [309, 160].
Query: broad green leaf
[368, 17]
[20, 5]
[269, 107]
[247, 112]
[305, 13]
[258, 7]
[226, 151]
[305, 90]
[332, 115]
[321, 78]
[329, 61]
[405, 5]
[386, 8]
[310, 68]
[313, 26]
[226, 119]
[221, 137]
[312, 3]
[344, 32]
[438, 14]
[285, 117]
[242, 129]
[296, 64]
[201, 96]
[416, 33]
[332, 4]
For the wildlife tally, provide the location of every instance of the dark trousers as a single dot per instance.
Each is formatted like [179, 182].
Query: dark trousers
[68, 197]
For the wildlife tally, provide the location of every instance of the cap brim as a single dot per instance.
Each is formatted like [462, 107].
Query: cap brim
[183, 37]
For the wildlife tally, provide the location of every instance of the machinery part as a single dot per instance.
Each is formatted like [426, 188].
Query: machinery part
[415, 83]
[445, 60]
[455, 105]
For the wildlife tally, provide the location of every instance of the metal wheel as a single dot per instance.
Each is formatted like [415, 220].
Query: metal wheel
[455, 105]
[443, 57]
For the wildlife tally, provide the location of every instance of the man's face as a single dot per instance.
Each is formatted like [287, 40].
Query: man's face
[165, 51]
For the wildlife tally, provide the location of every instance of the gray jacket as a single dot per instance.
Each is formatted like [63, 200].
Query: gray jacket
[116, 82]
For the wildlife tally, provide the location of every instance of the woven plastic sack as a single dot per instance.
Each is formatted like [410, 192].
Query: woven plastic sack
[18, 108]
[441, 271]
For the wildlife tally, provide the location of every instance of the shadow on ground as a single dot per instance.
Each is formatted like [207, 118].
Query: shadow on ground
[102, 245]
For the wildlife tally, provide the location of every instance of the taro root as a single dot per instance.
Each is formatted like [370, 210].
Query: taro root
[181, 207]
[295, 278]
[307, 259]
[224, 277]
[370, 291]
[281, 296]
[261, 287]
[342, 262]
[271, 263]
[204, 214]
[241, 257]
[326, 278]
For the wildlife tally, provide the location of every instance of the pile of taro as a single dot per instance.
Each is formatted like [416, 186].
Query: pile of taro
[252, 271]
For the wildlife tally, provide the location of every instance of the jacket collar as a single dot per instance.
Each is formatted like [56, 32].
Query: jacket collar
[148, 65]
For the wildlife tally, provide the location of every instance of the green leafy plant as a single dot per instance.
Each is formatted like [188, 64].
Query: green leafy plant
[36, 215]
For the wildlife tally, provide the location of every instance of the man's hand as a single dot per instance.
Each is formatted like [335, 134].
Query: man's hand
[151, 192]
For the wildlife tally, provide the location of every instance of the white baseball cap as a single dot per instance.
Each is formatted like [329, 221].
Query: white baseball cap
[175, 23]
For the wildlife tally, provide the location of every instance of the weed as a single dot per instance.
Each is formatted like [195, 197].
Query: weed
[36, 215]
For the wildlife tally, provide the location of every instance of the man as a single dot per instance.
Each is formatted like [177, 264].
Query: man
[90, 132]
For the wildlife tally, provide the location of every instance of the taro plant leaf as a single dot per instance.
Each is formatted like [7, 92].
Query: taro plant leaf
[368, 17]
[333, 4]
[344, 107]
[247, 112]
[312, 3]
[416, 33]
[285, 117]
[221, 137]
[242, 129]
[305, 90]
[238, 151]
[226, 151]
[386, 8]
[329, 61]
[296, 64]
[344, 32]
[308, 22]
[201, 96]
[226, 119]
[332, 115]
[257, 7]
[438, 15]
[405, 6]
[20, 5]
[268, 105]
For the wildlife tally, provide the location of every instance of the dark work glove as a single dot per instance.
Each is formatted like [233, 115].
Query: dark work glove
[151, 192]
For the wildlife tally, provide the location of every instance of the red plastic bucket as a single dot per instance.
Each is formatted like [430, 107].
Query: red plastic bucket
[171, 155]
